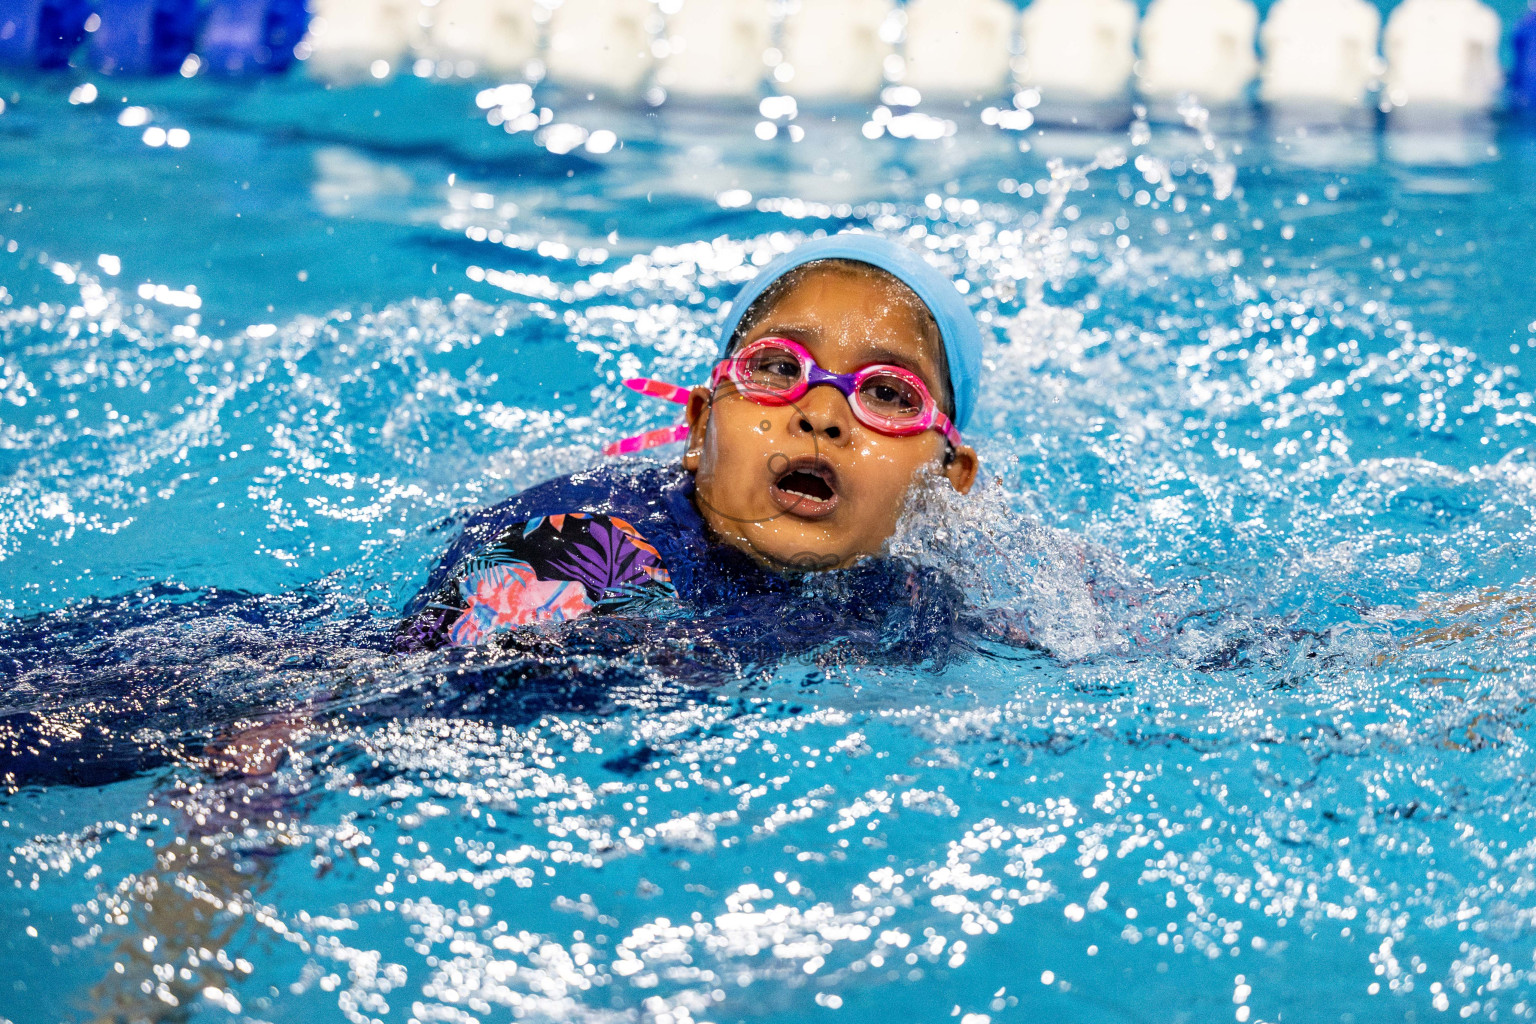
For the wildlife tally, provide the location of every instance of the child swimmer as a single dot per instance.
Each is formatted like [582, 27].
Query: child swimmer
[850, 367]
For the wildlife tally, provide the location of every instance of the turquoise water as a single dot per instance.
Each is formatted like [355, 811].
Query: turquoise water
[1271, 380]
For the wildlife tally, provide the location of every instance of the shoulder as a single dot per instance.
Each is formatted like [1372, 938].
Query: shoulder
[629, 490]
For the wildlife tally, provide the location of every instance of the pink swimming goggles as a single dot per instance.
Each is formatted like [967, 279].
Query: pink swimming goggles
[777, 371]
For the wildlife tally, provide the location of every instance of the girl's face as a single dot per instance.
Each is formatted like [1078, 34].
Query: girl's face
[806, 485]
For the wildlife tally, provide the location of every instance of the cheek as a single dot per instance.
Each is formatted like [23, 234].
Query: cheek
[742, 429]
[880, 469]
[885, 467]
[738, 439]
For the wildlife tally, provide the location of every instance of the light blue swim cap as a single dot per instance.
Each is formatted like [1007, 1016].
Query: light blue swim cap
[957, 325]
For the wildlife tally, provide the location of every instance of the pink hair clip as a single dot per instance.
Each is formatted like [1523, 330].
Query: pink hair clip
[652, 438]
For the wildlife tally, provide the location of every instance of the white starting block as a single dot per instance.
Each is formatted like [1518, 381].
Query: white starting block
[603, 44]
[716, 48]
[1078, 49]
[1443, 54]
[1320, 52]
[351, 40]
[959, 49]
[1202, 48]
[835, 49]
[500, 36]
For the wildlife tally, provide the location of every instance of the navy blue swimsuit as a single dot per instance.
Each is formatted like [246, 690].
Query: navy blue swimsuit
[627, 541]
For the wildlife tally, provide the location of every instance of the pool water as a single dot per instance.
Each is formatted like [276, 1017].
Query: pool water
[1270, 378]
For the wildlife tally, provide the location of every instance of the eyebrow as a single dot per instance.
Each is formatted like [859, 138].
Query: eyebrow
[878, 353]
[787, 329]
[906, 362]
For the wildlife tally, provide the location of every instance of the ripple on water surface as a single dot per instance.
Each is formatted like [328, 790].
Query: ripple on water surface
[1267, 517]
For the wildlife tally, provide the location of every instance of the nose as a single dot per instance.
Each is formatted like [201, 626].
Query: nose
[823, 411]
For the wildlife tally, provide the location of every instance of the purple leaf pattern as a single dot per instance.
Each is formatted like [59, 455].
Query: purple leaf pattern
[592, 563]
[607, 563]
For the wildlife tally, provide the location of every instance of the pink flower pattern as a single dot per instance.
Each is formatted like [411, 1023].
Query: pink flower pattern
[504, 596]
[544, 570]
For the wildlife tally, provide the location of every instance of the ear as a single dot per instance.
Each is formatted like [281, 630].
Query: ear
[700, 401]
[961, 471]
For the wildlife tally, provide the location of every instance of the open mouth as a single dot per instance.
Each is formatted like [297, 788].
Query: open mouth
[808, 488]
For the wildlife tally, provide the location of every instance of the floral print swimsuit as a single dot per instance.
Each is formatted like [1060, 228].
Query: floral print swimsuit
[545, 570]
[625, 539]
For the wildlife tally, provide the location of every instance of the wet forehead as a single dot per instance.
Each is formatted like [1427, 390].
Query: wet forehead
[849, 318]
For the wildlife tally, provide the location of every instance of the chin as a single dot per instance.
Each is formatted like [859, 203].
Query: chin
[813, 555]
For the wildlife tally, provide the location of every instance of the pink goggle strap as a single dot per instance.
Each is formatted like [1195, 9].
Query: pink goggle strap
[658, 389]
[652, 438]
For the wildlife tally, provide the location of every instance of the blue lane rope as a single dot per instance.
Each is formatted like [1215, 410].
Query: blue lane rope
[154, 37]
[143, 37]
[1522, 75]
[244, 37]
[41, 33]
